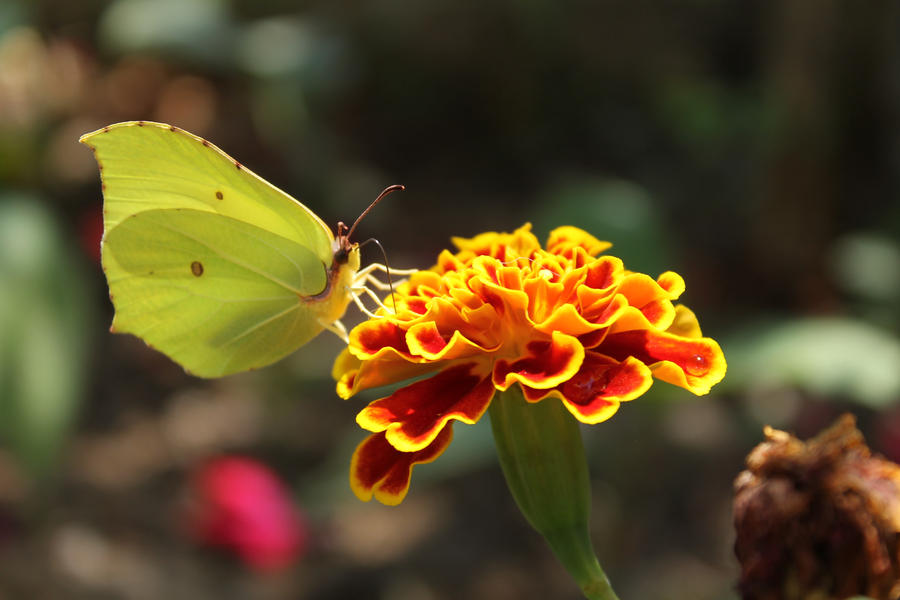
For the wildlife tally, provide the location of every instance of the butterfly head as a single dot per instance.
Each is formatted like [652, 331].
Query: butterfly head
[342, 244]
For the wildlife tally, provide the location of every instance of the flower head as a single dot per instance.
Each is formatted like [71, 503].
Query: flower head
[818, 519]
[563, 322]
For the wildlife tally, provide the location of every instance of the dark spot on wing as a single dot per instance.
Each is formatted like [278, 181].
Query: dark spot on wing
[140, 123]
[219, 195]
[197, 268]
[103, 186]
[238, 165]
[172, 128]
[106, 129]
[205, 143]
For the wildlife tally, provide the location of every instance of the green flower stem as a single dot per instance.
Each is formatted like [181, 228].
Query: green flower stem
[540, 450]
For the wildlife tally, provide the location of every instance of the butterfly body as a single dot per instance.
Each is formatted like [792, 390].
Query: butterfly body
[206, 261]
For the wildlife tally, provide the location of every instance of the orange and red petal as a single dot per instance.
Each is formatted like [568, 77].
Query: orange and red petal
[563, 239]
[604, 272]
[547, 364]
[566, 319]
[544, 296]
[344, 371]
[685, 323]
[370, 337]
[427, 341]
[673, 283]
[414, 415]
[695, 364]
[380, 470]
[384, 372]
[603, 310]
[603, 317]
[443, 320]
[594, 393]
[629, 318]
[521, 242]
[448, 262]
[649, 297]
[422, 283]
[353, 375]
[510, 305]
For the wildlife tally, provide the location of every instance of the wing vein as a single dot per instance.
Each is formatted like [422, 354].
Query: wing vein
[235, 261]
[262, 323]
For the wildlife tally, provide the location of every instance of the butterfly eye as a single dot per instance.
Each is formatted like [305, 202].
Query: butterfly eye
[342, 255]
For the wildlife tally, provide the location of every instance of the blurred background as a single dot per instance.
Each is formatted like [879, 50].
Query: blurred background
[751, 146]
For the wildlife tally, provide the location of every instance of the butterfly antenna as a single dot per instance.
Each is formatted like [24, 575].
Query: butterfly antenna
[387, 266]
[387, 190]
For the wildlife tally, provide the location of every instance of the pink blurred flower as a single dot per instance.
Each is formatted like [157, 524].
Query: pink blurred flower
[240, 504]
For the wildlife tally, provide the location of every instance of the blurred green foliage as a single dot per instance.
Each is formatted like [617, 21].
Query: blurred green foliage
[46, 322]
[833, 358]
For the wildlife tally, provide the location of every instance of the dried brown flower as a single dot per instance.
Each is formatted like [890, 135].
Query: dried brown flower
[818, 519]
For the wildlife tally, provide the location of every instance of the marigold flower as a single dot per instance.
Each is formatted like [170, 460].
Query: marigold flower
[563, 322]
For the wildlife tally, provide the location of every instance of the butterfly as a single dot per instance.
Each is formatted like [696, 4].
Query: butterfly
[208, 262]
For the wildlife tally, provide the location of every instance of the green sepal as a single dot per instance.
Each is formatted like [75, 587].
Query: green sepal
[542, 456]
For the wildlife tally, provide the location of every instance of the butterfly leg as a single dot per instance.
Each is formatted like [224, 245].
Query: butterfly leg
[376, 283]
[338, 329]
[367, 270]
[366, 275]
[355, 293]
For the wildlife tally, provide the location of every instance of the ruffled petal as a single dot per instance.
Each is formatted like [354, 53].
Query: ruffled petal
[563, 239]
[426, 340]
[422, 283]
[650, 298]
[544, 296]
[603, 273]
[603, 317]
[673, 283]
[344, 371]
[566, 319]
[593, 395]
[685, 323]
[548, 364]
[388, 368]
[371, 337]
[509, 305]
[413, 416]
[380, 470]
[695, 364]
[442, 320]
[521, 242]
[448, 263]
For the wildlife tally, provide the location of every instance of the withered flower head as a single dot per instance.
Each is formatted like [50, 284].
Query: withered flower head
[818, 519]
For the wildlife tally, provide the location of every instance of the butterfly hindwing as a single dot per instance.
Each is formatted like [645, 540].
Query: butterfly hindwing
[215, 294]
